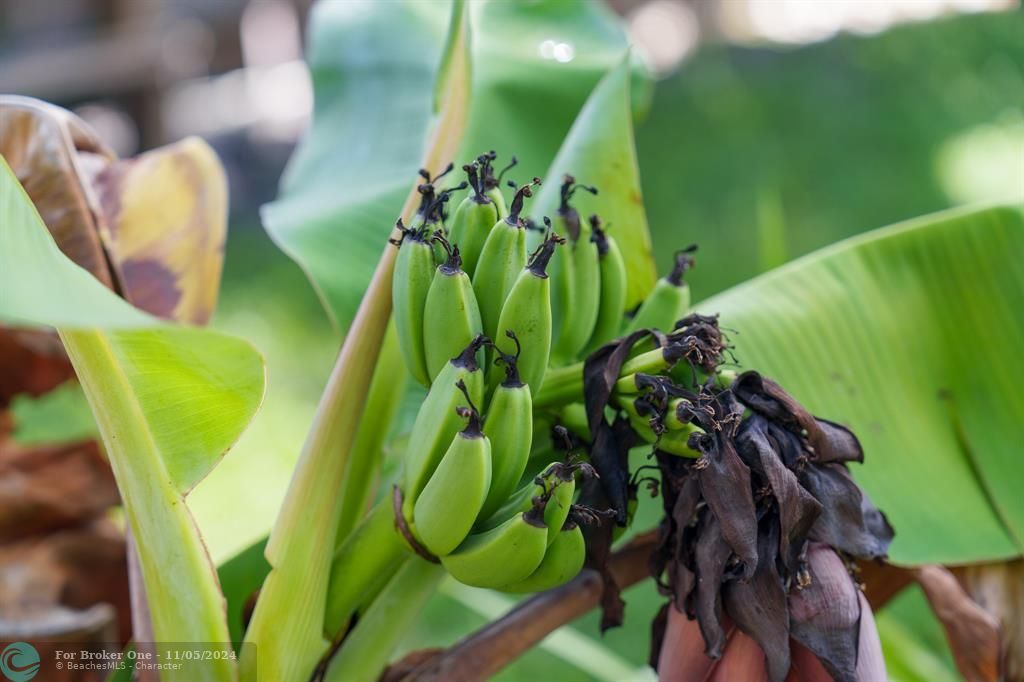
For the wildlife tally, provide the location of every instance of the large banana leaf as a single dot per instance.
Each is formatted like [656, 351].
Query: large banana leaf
[912, 336]
[599, 151]
[168, 401]
[373, 66]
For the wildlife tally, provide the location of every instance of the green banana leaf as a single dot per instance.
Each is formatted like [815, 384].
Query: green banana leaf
[911, 335]
[374, 66]
[168, 401]
[599, 151]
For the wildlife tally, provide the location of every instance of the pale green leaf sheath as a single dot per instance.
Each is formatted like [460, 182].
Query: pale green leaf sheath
[288, 623]
[168, 401]
[911, 336]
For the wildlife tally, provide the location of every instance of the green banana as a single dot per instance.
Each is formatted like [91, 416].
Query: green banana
[502, 258]
[669, 300]
[451, 318]
[503, 555]
[562, 561]
[473, 220]
[560, 504]
[437, 422]
[414, 271]
[509, 426]
[613, 287]
[527, 313]
[582, 316]
[444, 512]
[563, 277]
[492, 184]
[556, 484]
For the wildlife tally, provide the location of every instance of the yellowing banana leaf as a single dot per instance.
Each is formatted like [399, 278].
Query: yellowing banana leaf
[599, 151]
[49, 149]
[168, 401]
[374, 66]
[151, 227]
[164, 224]
[912, 336]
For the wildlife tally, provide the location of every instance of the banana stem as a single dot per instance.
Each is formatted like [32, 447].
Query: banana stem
[368, 648]
[563, 385]
[386, 391]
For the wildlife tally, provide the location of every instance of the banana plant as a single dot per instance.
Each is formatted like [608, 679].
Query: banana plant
[549, 349]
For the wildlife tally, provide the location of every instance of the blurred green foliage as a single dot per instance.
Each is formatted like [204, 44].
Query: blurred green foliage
[757, 154]
[846, 136]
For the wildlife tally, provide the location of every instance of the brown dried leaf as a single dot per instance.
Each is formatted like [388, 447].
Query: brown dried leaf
[77, 567]
[972, 632]
[44, 488]
[31, 362]
[50, 150]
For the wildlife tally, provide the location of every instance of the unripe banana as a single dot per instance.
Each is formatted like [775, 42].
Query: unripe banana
[451, 318]
[562, 561]
[527, 313]
[564, 292]
[492, 183]
[556, 483]
[669, 300]
[581, 318]
[501, 260]
[437, 421]
[414, 271]
[473, 220]
[509, 426]
[613, 288]
[560, 504]
[503, 555]
[445, 511]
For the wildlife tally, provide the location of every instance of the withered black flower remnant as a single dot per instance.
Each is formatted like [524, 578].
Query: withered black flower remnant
[760, 527]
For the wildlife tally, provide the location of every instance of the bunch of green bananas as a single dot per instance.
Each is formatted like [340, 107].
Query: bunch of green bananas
[479, 321]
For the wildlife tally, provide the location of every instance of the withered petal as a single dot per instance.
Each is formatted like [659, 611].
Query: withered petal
[835, 443]
[797, 508]
[712, 554]
[759, 607]
[849, 521]
[825, 615]
[725, 485]
[601, 371]
[610, 460]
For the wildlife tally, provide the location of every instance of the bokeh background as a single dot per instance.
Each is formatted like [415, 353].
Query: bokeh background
[776, 127]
